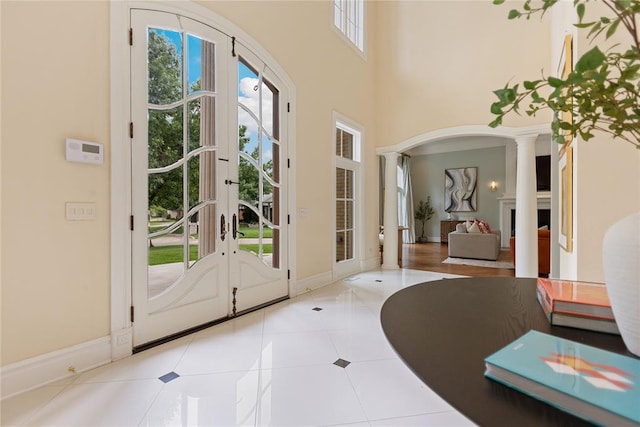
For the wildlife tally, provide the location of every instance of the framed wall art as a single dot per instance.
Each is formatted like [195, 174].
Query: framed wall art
[566, 198]
[565, 67]
[461, 190]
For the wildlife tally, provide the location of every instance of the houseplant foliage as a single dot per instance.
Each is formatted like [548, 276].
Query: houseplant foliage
[602, 93]
[424, 214]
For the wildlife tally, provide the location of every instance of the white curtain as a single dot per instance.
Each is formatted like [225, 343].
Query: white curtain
[405, 201]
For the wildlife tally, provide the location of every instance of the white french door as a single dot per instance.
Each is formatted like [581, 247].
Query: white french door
[206, 156]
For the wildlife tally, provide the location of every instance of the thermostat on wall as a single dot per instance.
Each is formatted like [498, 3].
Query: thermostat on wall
[84, 151]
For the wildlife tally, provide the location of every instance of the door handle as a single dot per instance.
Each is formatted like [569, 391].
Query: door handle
[235, 227]
[223, 227]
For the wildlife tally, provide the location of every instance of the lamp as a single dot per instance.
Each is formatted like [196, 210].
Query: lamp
[493, 186]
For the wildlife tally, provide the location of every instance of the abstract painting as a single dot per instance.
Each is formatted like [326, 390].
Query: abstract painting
[460, 190]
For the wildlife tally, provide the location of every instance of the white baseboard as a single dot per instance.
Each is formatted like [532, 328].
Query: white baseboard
[314, 282]
[372, 263]
[121, 343]
[37, 371]
[432, 239]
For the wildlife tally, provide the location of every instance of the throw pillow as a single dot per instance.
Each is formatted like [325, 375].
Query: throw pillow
[468, 225]
[474, 228]
[484, 227]
[461, 228]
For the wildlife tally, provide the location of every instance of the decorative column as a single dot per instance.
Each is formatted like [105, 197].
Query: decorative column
[390, 251]
[526, 207]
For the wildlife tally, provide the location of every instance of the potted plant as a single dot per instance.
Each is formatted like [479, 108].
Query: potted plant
[424, 214]
[601, 94]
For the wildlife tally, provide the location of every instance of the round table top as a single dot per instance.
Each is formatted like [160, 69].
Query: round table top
[443, 330]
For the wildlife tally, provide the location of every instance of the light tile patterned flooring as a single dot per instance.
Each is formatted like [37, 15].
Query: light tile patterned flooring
[272, 367]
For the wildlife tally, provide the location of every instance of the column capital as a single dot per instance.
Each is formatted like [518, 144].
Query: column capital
[524, 138]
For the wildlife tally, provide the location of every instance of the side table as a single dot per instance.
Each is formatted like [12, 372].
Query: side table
[446, 227]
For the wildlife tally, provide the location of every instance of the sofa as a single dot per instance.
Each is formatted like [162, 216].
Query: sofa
[477, 245]
[544, 252]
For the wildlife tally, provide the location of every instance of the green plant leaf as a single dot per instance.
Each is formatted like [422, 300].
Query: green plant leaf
[590, 60]
[612, 29]
[580, 10]
[584, 24]
[506, 95]
[498, 1]
[554, 82]
[496, 108]
[528, 85]
[513, 13]
[497, 122]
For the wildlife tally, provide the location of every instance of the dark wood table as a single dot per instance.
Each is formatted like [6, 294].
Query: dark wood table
[443, 331]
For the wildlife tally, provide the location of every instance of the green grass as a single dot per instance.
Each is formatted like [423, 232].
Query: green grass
[266, 248]
[252, 232]
[170, 254]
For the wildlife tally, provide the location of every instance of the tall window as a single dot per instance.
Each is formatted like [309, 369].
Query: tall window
[348, 17]
[347, 176]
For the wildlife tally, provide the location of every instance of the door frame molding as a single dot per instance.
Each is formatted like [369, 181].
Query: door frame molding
[121, 262]
[345, 268]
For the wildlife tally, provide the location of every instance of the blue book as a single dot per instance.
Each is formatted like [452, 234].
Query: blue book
[600, 386]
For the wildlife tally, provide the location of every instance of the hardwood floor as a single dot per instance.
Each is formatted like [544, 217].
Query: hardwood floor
[429, 256]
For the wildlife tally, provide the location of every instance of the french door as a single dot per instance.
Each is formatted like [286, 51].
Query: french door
[208, 189]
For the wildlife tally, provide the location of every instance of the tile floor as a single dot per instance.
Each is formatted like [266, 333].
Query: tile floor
[276, 366]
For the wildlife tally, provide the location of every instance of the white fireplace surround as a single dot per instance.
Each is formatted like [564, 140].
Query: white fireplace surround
[508, 203]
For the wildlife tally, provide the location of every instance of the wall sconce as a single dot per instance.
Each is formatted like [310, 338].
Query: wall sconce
[493, 186]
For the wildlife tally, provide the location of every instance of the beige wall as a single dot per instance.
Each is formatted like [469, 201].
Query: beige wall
[439, 61]
[55, 84]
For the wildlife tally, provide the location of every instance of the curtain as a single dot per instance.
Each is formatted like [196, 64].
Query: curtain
[405, 201]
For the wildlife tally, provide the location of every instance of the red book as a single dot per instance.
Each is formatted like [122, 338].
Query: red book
[576, 298]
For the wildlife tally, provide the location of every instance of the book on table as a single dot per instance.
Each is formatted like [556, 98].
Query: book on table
[592, 323]
[578, 298]
[597, 385]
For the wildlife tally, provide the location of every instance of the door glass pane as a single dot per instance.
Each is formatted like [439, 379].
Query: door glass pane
[269, 108]
[340, 215]
[165, 137]
[166, 256]
[267, 156]
[340, 246]
[347, 145]
[194, 115]
[340, 182]
[348, 244]
[165, 66]
[338, 142]
[348, 214]
[248, 89]
[258, 164]
[348, 184]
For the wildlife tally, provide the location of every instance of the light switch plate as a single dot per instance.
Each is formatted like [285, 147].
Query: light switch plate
[80, 211]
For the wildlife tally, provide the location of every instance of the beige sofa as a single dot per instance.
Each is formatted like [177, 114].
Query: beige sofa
[474, 245]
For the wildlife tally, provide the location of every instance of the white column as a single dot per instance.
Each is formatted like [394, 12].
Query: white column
[526, 208]
[390, 251]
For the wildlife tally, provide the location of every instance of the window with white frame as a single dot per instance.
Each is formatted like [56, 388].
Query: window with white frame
[348, 17]
[347, 177]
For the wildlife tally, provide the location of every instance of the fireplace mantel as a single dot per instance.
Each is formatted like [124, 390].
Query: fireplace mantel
[508, 203]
